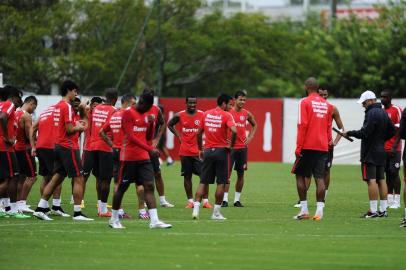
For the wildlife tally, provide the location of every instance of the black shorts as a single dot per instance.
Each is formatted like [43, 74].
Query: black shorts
[239, 160]
[371, 171]
[155, 164]
[392, 163]
[67, 162]
[310, 162]
[190, 165]
[87, 162]
[100, 163]
[330, 157]
[46, 159]
[26, 163]
[138, 172]
[8, 165]
[116, 163]
[216, 165]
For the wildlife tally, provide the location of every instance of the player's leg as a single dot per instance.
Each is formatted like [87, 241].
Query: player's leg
[227, 185]
[302, 170]
[389, 179]
[383, 191]
[187, 172]
[222, 172]
[369, 176]
[105, 171]
[13, 187]
[395, 167]
[126, 176]
[240, 168]
[31, 178]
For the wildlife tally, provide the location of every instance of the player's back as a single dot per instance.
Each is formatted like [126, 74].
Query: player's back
[216, 123]
[100, 115]
[46, 129]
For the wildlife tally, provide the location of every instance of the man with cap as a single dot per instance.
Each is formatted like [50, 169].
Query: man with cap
[376, 129]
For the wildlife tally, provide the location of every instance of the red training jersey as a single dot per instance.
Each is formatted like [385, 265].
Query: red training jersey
[114, 125]
[22, 142]
[63, 114]
[135, 128]
[314, 124]
[190, 125]
[155, 112]
[8, 108]
[216, 125]
[101, 115]
[240, 119]
[46, 129]
[395, 113]
[76, 135]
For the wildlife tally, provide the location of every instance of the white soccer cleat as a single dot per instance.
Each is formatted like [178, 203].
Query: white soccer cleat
[116, 224]
[394, 206]
[42, 216]
[218, 216]
[59, 213]
[167, 205]
[159, 225]
[25, 209]
[82, 218]
[297, 205]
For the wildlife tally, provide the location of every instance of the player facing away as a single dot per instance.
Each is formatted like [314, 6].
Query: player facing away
[376, 129]
[67, 159]
[26, 162]
[135, 166]
[239, 155]
[9, 170]
[312, 144]
[189, 121]
[217, 123]
[393, 151]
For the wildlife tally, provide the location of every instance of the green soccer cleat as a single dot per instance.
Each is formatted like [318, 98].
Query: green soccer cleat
[18, 215]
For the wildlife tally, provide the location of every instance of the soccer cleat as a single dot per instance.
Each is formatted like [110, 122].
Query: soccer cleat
[41, 215]
[189, 205]
[369, 214]
[207, 205]
[238, 204]
[167, 205]
[81, 217]
[317, 218]
[144, 216]
[224, 204]
[302, 216]
[394, 205]
[116, 224]
[403, 223]
[58, 211]
[124, 216]
[3, 213]
[25, 209]
[18, 214]
[382, 214]
[107, 214]
[218, 216]
[297, 205]
[159, 225]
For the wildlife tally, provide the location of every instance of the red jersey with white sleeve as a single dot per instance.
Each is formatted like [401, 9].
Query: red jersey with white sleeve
[240, 119]
[76, 135]
[155, 112]
[216, 125]
[101, 115]
[190, 125]
[8, 108]
[46, 129]
[314, 124]
[395, 113]
[63, 114]
[22, 142]
[135, 128]
[114, 125]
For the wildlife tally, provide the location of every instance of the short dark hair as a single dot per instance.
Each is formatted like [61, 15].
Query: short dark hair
[387, 91]
[30, 99]
[68, 85]
[240, 93]
[127, 98]
[77, 99]
[147, 98]
[9, 91]
[111, 94]
[148, 90]
[223, 98]
[190, 97]
[96, 99]
[312, 83]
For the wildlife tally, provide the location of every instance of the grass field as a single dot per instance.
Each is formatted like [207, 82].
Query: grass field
[262, 235]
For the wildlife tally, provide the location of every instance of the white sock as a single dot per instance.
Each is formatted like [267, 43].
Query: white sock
[13, 207]
[120, 211]
[216, 209]
[325, 194]
[43, 203]
[153, 215]
[6, 202]
[303, 207]
[237, 196]
[99, 205]
[190, 200]
[142, 211]
[196, 208]
[405, 212]
[56, 202]
[225, 197]
[319, 211]
[162, 199]
[114, 215]
[103, 207]
[397, 199]
[390, 199]
[71, 198]
[205, 201]
[383, 205]
[76, 208]
[20, 204]
[169, 160]
[373, 206]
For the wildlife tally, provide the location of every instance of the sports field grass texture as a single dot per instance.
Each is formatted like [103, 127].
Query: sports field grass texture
[261, 235]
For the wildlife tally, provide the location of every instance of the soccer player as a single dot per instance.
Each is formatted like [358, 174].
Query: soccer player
[190, 120]
[135, 160]
[217, 123]
[10, 100]
[159, 127]
[239, 155]
[67, 158]
[377, 129]
[312, 144]
[26, 162]
[102, 153]
[402, 135]
[114, 125]
[392, 151]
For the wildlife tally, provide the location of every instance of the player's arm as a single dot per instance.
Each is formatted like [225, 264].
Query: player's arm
[3, 124]
[339, 123]
[233, 136]
[102, 132]
[254, 126]
[367, 129]
[171, 125]
[33, 137]
[162, 127]
[199, 137]
[150, 131]
[27, 124]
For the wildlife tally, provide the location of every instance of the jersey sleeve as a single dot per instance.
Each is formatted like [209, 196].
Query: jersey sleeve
[66, 114]
[229, 120]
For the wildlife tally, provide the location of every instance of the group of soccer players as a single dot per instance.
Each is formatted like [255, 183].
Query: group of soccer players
[120, 144]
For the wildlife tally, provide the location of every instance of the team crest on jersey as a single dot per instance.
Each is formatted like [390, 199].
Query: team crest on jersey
[242, 117]
[197, 122]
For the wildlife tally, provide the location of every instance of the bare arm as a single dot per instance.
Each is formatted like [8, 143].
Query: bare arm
[200, 139]
[254, 125]
[3, 124]
[70, 129]
[171, 125]
[233, 136]
[162, 128]
[339, 123]
[105, 137]
[27, 124]
[33, 137]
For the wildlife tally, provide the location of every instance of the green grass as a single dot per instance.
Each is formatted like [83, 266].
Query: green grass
[262, 235]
